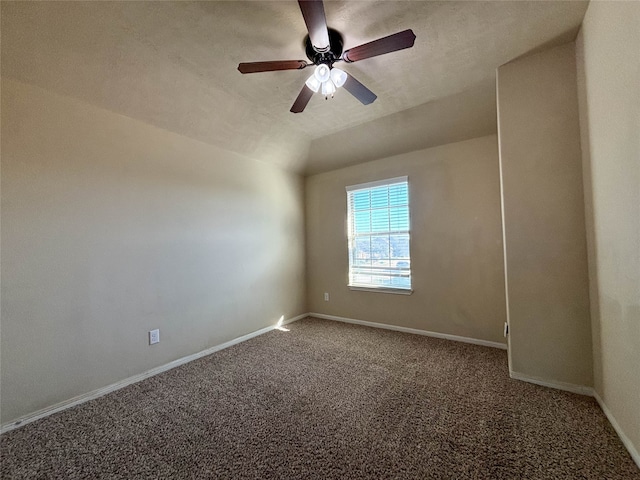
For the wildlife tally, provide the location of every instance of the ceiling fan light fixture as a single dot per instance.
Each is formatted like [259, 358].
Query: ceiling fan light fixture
[322, 73]
[338, 77]
[324, 47]
[313, 83]
[328, 88]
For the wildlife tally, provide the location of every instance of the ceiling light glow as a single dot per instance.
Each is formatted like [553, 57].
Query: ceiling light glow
[326, 80]
[322, 73]
[328, 88]
[338, 77]
[313, 83]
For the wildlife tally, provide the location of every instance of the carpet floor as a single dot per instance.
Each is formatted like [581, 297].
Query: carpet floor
[326, 400]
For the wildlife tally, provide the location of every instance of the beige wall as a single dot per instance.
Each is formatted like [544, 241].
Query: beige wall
[456, 245]
[609, 94]
[111, 227]
[546, 259]
[466, 115]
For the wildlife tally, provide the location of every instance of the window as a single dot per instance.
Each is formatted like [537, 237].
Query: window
[378, 233]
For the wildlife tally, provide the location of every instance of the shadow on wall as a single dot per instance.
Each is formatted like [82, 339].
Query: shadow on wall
[592, 247]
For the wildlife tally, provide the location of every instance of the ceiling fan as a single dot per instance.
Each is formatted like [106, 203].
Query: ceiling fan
[323, 47]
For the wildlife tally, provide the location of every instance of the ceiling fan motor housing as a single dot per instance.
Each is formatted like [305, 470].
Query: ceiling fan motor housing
[328, 57]
[329, 49]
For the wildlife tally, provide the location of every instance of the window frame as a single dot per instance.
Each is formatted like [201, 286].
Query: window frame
[351, 237]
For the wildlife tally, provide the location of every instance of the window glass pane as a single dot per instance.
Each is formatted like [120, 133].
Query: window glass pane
[379, 236]
[361, 199]
[380, 197]
[361, 279]
[362, 251]
[362, 222]
[399, 218]
[398, 194]
[399, 246]
[380, 220]
[401, 282]
[381, 280]
[379, 247]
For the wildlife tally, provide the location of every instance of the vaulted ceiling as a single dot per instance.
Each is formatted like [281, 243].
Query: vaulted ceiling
[174, 65]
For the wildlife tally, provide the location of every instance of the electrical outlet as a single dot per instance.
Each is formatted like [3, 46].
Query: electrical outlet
[326, 296]
[154, 336]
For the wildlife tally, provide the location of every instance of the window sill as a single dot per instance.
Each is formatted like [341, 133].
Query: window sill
[396, 291]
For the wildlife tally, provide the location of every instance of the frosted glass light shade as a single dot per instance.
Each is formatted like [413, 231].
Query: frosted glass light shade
[338, 77]
[313, 83]
[326, 80]
[328, 88]
[322, 73]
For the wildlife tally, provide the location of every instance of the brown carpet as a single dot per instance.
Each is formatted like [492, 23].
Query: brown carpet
[327, 400]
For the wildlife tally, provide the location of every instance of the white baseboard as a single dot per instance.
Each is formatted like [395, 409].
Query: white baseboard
[582, 390]
[568, 387]
[415, 331]
[45, 412]
[85, 397]
[635, 455]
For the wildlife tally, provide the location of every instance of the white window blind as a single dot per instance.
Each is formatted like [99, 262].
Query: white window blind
[378, 234]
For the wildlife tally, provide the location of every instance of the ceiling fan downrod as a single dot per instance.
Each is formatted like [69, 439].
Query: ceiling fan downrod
[329, 56]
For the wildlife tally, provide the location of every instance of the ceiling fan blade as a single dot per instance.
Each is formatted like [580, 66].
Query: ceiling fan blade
[255, 67]
[392, 43]
[303, 98]
[358, 90]
[314, 18]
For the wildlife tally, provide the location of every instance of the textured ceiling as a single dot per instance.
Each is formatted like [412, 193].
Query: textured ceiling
[173, 64]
